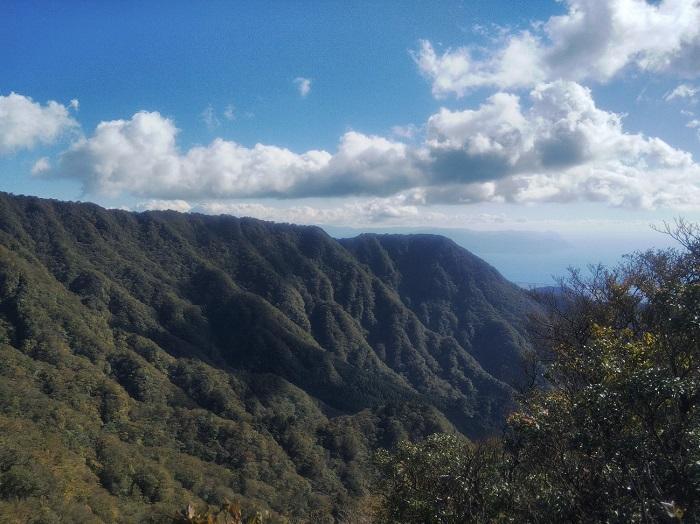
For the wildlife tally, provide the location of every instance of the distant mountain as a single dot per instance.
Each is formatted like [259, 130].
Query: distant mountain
[501, 242]
[150, 359]
[529, 258]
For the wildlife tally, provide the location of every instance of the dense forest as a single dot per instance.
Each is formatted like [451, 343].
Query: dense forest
[153, 360]
[609, 429]
[167, 367]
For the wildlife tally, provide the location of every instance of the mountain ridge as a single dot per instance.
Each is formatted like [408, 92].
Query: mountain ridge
[248, 322]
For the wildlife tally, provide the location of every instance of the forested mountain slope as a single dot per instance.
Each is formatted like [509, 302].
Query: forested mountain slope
[453, 293]
[149, 359]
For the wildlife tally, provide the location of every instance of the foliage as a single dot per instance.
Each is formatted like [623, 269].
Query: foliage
[610, 433]
[228, 513]
[443, 479]
[154, 358]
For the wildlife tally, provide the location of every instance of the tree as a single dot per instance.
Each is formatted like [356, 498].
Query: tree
[610, 431]
[443, 479]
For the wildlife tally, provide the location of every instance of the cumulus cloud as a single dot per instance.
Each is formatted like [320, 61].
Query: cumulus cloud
[556, 145]
[140, 156]
[25, 123]
[303, 85]
[456, 71]
[562, 128]
[563, 148]
[593, 40]
[366, 165]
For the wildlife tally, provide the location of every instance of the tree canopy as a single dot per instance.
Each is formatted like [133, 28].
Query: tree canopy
[609, 430]
[149, 360]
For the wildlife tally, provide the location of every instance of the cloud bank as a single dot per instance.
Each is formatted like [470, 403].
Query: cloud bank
[554, 145]
[538, 137]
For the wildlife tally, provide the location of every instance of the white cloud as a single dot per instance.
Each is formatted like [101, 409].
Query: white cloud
[611, 184]
[369, 165]
[516, 64]
[25, 123]
[230, 112]
[163, 205]
[594, 39]
[74, 104]
[41, 166]
[559, 146]
[497, 127]
[370, 211]
[563, 148]
[682, 91]
[303, 85]
[140, 156]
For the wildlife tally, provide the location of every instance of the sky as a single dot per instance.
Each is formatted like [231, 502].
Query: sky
[578, 119]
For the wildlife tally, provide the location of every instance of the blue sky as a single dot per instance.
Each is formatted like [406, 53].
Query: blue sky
[573, 117]
[178, 58]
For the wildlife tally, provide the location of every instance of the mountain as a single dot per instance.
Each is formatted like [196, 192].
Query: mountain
[528, 258]
[454, 294]
[151, 359]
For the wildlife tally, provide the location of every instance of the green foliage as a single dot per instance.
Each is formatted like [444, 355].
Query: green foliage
[227, 513]
[443, 479]
[611, 433]
[455, 294]
[150, 359]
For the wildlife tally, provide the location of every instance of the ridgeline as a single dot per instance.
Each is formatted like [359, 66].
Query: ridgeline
[151, 359]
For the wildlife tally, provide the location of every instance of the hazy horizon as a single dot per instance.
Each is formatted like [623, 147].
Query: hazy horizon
[532, 258]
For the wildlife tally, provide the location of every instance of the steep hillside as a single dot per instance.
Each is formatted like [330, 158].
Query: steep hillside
[154, 358]
[453, 293]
